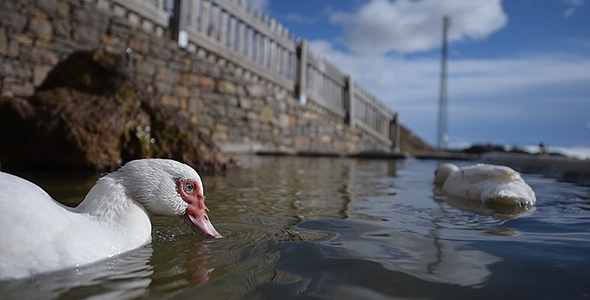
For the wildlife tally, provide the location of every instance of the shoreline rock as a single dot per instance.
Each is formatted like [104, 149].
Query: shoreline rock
[91, 114]
[562, 168]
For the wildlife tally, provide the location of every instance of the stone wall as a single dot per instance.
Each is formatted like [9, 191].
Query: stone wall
[239, 110]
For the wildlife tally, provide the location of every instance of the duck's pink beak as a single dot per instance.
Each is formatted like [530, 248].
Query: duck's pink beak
[200, 223]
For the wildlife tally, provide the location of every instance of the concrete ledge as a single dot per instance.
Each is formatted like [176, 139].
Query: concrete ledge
[317, 154]
[240, 148]
[363, 155]
[272, 153]
[380, 155]
[563, 168]
[448, 156]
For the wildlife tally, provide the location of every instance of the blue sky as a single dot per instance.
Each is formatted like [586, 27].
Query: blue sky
[519, 70]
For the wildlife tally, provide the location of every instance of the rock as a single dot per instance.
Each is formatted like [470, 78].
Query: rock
[220, 133]
[146, 67]
[190, 79]
[167, 75]
[480, 149]
[138, 44]
[22, 39]
[62, 27]
[14, 21]
[413, 144]
[207, 83]
[284, 121]
[160, 51]
[3, 42]
[302, 142]
[86, 34]
[12, 87]
[40, 73]
[193, 105]
[89, 17]
[256, 90]
[63, 9]
[225, 87]
[162, 87]
[244, 103]
[562, 168]
[133, 19]
[376, 154]
[89, 131]
[266, 114]
[95, 72]
[112, 40]
[46, 5]
[13, 49]
[448, 155]
[39, 56]
[91, 114]
[14, 69]
[170, 100]
[181, 91]
[40, 28]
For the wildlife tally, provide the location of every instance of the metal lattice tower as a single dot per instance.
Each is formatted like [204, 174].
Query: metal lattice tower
[443, 136]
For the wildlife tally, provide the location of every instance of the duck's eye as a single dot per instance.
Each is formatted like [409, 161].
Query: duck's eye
[189, 187]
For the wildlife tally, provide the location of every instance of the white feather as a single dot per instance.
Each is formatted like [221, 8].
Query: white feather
[487, 183]
[38, 234]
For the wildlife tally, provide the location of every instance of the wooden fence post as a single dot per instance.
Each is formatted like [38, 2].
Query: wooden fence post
[178, 22]
[350, 101]
[223, 29]
[204, 18]
[394, 133]
[301, 71]
[233, 23]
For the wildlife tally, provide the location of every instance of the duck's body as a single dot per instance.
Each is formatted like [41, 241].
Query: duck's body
[486, 183]
[38, 234]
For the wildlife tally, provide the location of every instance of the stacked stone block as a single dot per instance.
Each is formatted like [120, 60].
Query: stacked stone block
[231, 104]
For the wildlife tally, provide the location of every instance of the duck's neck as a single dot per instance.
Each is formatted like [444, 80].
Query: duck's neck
[109, 203]
[117, 222]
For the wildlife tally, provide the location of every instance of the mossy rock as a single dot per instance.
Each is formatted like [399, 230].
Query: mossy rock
[92, 114]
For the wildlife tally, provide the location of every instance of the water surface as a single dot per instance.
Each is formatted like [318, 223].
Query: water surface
[329, 228]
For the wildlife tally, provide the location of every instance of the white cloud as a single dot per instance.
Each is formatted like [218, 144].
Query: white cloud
[299, 18]
[304, 19]
[382, 26]
[569, 12]
[573, 6]
[413, 79]
[259, 4]
[498, 91]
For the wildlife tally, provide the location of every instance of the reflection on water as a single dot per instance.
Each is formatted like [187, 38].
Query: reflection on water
[124, 277]
[429, 258]
[326, 228]
[500, 210]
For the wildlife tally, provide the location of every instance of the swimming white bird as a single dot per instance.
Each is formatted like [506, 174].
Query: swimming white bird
[486, 183]
[38, 234]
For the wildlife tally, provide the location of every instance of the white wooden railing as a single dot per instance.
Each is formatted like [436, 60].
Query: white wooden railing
[157, 11]
[319, 81]
[236, 32]
[370, 114]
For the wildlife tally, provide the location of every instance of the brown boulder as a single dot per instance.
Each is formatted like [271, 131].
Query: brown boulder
[90, 113]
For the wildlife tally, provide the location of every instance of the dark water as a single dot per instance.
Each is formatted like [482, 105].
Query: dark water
[315, 228]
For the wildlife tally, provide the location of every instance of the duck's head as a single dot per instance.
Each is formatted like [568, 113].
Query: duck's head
[443, 171]
[168, 187]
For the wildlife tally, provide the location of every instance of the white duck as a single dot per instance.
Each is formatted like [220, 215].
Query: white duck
[486, 183]
[38, 234]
